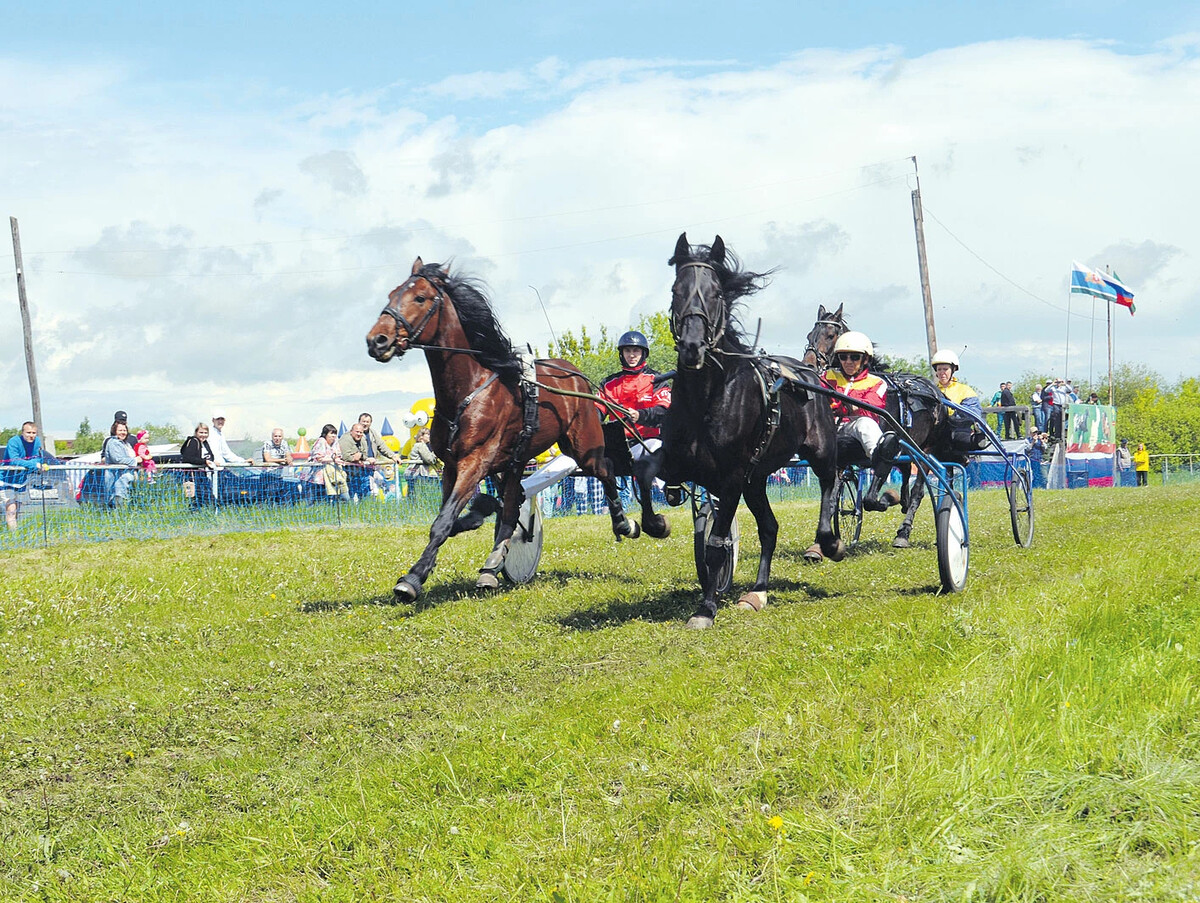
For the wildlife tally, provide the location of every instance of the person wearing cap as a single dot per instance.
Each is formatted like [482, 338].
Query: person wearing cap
[964, 431]
[1035, 405]
[122, 417]
[220, 447]
[141, 451]
[851, 376]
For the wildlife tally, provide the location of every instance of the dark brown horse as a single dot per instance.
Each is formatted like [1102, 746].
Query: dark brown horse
[925, 419]
[735, 418]
[480, 404]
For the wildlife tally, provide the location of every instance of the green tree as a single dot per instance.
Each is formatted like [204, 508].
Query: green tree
[597, 357]
[7, 433]
[161, 433]
[87, 439]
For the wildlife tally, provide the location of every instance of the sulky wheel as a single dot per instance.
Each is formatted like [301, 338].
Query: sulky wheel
[1020, 508]
[953, 553]
[702, 524]
[525, 547]
[848, 512]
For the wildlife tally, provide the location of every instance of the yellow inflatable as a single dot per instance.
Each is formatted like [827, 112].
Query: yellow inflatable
[421, 414]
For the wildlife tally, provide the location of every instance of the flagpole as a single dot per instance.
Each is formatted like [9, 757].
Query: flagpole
[1067, 349]
[1108, 270]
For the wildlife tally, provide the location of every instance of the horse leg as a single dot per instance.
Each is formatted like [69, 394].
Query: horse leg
[827, 544]
[716, 553]
[594, 464]
[408, 587]
[910, 512]
[505, 525]
[655, 525]
[768, 535]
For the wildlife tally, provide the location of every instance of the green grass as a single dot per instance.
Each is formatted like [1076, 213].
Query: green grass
[241, 717]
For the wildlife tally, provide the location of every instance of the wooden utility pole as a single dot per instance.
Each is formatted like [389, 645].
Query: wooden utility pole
[27, 331]
[923, 262]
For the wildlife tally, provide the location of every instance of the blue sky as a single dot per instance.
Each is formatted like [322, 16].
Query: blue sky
[214, 201]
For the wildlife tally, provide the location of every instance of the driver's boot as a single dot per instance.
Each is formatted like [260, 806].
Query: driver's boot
[881, 463]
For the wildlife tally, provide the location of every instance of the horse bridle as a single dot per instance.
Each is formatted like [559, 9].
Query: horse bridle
[694, 307]
[413, 333]
[823, 360]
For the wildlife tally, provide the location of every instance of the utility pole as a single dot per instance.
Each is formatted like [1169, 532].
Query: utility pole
[923, 262]
[27, 330]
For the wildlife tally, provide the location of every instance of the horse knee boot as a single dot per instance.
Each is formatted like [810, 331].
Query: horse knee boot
[882, 460]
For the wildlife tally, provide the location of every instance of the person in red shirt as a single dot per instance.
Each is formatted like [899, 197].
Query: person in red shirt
[852, 377]
[634, 389]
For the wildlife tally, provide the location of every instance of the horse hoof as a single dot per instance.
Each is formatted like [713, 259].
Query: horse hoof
[631, 530]
[699, 622]
[838, 552]
[487, 580]
[407, 589]
[813, 554]
[657, 527]
[753, 601]
[901, 542]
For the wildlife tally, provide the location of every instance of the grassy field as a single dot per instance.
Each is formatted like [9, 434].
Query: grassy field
[243, 717]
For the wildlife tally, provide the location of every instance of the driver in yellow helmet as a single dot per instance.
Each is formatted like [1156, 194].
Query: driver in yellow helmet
[852, 377]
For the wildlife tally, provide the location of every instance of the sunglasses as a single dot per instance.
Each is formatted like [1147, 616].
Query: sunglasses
[850, 356]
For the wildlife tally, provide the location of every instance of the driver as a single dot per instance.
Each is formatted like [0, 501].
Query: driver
[851, 376]
[963, 430]
[633, 388]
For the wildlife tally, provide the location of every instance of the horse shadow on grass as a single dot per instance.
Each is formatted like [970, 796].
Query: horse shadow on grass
[440, 594]
[675, 606]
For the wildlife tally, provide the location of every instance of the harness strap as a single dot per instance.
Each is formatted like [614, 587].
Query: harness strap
[462, 406]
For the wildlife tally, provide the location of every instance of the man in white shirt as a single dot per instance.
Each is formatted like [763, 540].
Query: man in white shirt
[222, 453]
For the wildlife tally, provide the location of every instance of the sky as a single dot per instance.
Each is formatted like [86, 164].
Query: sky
[215, 200]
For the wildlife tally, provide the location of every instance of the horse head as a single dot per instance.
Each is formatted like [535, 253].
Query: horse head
[699, 314]
[819, 350]
[408, 318]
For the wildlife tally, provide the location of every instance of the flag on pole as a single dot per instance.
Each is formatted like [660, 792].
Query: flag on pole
[1086, 281]
[1124, 295]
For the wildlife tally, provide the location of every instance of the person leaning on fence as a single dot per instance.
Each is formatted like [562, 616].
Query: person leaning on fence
[116, 453]
[422, 473]
[332, 474]
[23, 456]
[1141, 464]
[358, 458]
[221, 450]
[197, 452]
[964, 432]
[276, 450]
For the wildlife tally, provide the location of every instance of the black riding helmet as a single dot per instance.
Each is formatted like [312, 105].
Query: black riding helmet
[633, 339]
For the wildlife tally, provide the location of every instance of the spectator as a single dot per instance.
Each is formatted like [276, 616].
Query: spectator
[122, 417]
[1035, 449]
[23, 455]
[1124, 463]
[276, 450]
[376, 447]
[117, 454]
[141, 451]
[1059, 398]
[1012, 427]
[197, 451]
[423, 472]
[1141, 464]
[1035, 405]
[1093, 398]
[326, 451]
[995, 402]
[221, 450]
[357, 457]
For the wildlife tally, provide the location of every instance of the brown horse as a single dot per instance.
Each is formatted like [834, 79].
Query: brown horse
[479, 424]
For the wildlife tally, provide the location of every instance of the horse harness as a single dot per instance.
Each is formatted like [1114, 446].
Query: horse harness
[415, 332]
[775, 374]
[711, 335]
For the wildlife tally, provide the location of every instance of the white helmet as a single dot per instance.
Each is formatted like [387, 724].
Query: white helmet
[944, 357]
[854, 341]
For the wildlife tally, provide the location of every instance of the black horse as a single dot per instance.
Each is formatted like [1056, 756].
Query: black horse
[912, 400]
[737, 416]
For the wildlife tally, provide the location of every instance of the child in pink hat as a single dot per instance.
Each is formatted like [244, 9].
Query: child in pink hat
[142, 451]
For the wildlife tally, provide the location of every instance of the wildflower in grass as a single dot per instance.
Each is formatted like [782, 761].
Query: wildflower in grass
[775, 822]
[809, 878]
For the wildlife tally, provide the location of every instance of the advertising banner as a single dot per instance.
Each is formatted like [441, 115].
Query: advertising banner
[1091, 431]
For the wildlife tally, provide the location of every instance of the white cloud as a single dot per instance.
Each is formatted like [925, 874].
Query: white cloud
[179, 258]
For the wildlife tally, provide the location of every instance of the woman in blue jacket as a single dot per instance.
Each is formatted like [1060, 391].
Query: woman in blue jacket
[117, 452]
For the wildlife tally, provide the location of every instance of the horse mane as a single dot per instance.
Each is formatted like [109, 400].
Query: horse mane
[484, 332]
[737, 283]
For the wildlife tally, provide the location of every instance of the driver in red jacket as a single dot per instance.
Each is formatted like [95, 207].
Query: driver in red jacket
[633, 389]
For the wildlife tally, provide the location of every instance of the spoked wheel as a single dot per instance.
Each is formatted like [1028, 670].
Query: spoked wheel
[1020, 508]
[848, 513]
[525, 547]
[702, 528]
[952, 550]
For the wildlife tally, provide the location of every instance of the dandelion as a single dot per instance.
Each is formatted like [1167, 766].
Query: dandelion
[775, 822]
[809, 878]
